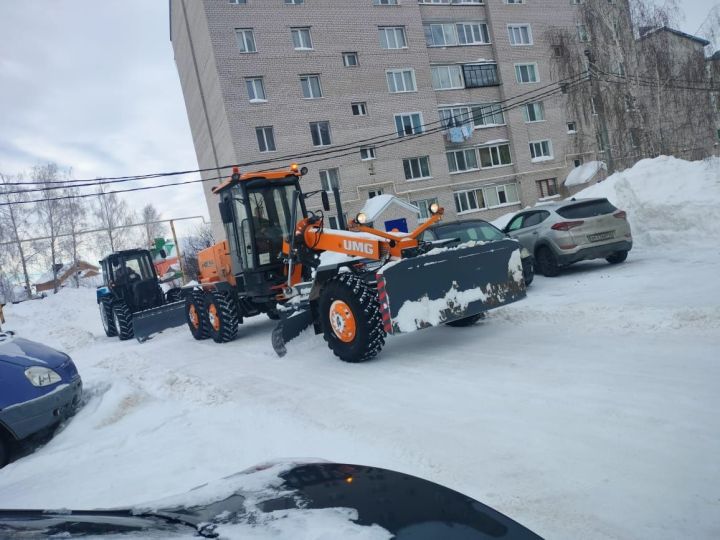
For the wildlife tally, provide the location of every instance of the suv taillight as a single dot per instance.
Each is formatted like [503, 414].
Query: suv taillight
[620, 215]
[566, 225]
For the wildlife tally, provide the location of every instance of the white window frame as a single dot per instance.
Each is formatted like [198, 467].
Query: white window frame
[535, 71]
[482, 29]
[409, 115]
[294, 2]
[453, 2]
[385, 2]
[470, 197]
[496, 109]
[391, 77]
[385, 32]
[519, 26]
[583, 34]
[361, 108]
[453, 78]
[244, 38]
[251, 86]
[574, 128]
[350, 54]
[263, 130]
[313, 126]
[328, 180]
[538, 110]
[514, 2]
[423, 206]
[306, 84]
[300, 31]
[367, 153]
[459, 114]
[419, 160]
[496, 154]
[541, 144]
[452, 158]
[237, 2]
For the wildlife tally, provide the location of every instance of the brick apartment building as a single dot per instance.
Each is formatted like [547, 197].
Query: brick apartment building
[269, 78]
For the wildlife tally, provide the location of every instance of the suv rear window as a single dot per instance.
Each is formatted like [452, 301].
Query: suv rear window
[587, 209]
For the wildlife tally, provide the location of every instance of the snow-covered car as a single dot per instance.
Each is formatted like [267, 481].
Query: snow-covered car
[291, 499]
[562, 233]
[39, 387]
[477, 230]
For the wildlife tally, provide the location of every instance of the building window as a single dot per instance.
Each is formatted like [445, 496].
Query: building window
[583, 33]
[462, 160]
[454, 116]
[295, 2]
[548, 187]
[479, 75]
[526, 73]
[238, 1]
[329, 179]
[520, 34]
[448, 2]
[449, 34]
[401, 80]
[514, 1]
[495, 156]
[440, 35]
[393, 37]
[311, 88]
[447, 77]
[423, 206]
[571, 127]
[417, 168]
[540, 149]
[534, 112]
[488, 115]
[577, 162]
[320, 132]
[486, 197]
[256, 90]
[408, 124]
[301, 39]
[577, 2]
[367, 153]
[385, 2]
[375, 192]
[265, 138]
[472, 33]
[359, 109]
[350, 59]
[245, 40]
[557, 51]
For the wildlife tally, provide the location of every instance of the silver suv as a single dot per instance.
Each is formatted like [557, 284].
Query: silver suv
[563, 233]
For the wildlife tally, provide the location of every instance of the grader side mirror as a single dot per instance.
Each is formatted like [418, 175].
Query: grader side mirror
[325, 200]
[225, 212]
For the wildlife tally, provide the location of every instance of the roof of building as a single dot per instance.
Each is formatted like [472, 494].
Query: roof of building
[648, 31]
[376, 205]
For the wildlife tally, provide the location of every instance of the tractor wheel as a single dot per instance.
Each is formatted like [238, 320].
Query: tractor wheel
[106, 316]
[122, 318]
[350, 316]
[196, 315]
[467, 321]
[222, 316]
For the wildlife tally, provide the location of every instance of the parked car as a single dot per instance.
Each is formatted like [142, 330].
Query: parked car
[287, 500]
[479, 230]
[560, 234]
[39, 387]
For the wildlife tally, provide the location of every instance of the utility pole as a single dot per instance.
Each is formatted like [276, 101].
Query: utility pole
[599, 112]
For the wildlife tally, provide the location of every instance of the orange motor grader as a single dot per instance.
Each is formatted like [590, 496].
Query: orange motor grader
[275, 261]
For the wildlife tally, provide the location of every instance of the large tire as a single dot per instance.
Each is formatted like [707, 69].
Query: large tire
[350, 317]
[467, 321]
[617, 257]
[546, 262]
[196, 315]
[174, 295]
[222, 316]
[106, 316]
[123, 320]
[273, 315]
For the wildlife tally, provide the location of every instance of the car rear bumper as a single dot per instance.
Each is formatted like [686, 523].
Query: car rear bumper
[32, 416]
[594, 252]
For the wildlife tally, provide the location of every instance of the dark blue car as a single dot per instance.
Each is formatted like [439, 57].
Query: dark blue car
[39, 387]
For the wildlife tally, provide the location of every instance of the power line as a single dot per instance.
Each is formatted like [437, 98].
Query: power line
[649, 82]
[287, 158]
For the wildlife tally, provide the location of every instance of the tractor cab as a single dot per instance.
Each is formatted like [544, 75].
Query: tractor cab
[257, 212]
[132, 278]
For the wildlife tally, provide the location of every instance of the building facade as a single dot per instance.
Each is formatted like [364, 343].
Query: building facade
[451, 101]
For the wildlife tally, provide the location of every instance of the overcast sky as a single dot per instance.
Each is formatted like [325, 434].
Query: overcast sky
[92, 85]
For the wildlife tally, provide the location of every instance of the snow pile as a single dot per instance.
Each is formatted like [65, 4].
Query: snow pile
[584, 173]
[668, 200]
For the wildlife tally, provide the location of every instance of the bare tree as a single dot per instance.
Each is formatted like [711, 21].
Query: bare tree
[75, 220]
[150, 217]
[114, 217]
[201, 238]
[50, 211]
[15, 221]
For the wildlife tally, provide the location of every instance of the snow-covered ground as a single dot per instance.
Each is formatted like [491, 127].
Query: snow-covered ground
[588, 410]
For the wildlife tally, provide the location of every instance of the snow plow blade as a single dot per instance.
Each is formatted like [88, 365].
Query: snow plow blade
[293, 320]
[449, 284]
[151, 321]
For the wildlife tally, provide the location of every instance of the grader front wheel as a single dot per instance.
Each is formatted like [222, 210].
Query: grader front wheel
[350, 317]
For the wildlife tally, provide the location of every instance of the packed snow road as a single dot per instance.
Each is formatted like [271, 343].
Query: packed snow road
[588, 410]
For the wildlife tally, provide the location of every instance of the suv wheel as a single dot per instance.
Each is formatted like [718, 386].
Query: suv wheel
[617, 257]
[547, 262]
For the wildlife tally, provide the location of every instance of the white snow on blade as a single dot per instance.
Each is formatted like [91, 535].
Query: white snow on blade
[414, 314]
[515, 266]
[584, 173]
[587, 410]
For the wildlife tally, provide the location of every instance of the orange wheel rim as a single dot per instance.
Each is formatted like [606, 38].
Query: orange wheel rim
[213, 316]
[342, 321]
[194, 320]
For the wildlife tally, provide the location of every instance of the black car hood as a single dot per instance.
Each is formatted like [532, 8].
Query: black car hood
[407, 507]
